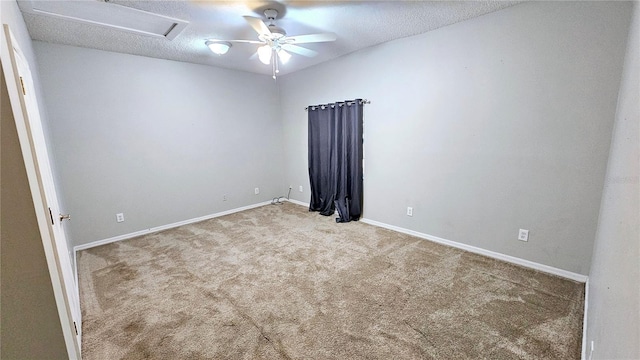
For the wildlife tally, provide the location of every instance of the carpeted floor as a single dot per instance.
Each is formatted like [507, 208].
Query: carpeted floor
[278, 282]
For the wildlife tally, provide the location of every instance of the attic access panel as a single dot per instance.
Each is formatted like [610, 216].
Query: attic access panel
[110, 15]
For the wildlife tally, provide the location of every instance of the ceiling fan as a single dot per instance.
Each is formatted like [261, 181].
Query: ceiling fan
[276, 45]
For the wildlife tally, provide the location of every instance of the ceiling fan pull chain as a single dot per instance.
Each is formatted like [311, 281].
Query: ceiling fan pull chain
[273, 63]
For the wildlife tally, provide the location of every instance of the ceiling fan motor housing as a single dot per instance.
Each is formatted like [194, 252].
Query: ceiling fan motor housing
[271, 14]
[276, 31]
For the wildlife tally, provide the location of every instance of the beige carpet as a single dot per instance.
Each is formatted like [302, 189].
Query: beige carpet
[278, 282]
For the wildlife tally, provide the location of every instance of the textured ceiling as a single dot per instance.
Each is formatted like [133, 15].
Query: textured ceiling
[358, 24]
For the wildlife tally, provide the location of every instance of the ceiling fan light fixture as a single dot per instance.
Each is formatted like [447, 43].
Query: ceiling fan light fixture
[284, 56]
[218, 47]
[264, 54]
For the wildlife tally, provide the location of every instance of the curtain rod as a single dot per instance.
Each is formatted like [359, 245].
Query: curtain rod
[349, 103]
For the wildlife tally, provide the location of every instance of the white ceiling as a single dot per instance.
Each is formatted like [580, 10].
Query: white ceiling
[358, 24]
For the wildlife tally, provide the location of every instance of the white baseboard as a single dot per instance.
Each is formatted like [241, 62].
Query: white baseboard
[489, 253]
[164, 227]
[492, 254]
[298, 202]
[584, 321]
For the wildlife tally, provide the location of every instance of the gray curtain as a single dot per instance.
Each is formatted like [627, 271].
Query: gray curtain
[335, 159]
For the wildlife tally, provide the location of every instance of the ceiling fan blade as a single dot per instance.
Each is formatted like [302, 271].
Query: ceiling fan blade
[312, 38]
[243, 41]
[299, 50]
[258, 25]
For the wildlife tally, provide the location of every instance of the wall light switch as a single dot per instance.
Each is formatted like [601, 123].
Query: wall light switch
[257, 191]
[523, 235]
[120, 217]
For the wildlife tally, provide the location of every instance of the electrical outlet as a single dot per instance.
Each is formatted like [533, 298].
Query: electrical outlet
[523, 235]
[119, 217]
[300, 188]
[224, 197]
[409, 211]
[257, 191]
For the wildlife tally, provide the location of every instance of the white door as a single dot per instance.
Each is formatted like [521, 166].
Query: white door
[43, 178]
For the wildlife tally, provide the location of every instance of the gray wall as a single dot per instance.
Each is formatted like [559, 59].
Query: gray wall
[160, 141]
[486, 126]
[30, 323]
[614, 280]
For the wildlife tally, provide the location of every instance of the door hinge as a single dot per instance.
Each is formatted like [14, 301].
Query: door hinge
[75, 327]
[24, 91]
[51, 215]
